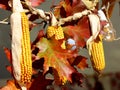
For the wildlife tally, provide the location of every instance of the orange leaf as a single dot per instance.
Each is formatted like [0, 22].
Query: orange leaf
[68, 7]
[80, 62]
[56, 58]
[8, 54]
[9, 68]
[11, 85]
[4, 4]
[80, 32]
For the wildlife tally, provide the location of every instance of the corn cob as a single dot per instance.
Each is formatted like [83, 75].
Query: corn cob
[55, 31]
[97, 55]
[59, 33]
[50, 31]
[26, 63]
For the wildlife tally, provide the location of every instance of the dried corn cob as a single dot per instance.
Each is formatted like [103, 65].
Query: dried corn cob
[51, 31]
[97, 55]
[21, 50]
[26, 63]
[20, 45]
[57, 31]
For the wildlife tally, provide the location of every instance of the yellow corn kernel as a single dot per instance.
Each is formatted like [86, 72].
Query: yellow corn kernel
[97, 55]
[55, 31]
[26, 62]
[59, 33]
[50, 31]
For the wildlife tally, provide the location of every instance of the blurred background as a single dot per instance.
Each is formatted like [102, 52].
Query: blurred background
[110, 80]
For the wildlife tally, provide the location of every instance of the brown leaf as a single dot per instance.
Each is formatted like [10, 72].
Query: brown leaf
[11, 85]
[39, 83]
[68, 7]
[80, 62]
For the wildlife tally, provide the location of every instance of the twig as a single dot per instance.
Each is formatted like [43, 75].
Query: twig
[4, 21]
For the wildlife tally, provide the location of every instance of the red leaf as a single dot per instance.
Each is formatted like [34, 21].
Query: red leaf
[77, 78]
[36, 3]
[8, 54]
[80, 62]
[9, 68]
[69, 7]
[80, 32]
[4, 4]
[39, 83]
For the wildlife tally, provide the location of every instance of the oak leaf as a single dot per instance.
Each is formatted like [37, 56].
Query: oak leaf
[80, 32]
[4, 4]
[39, 83]
[11, 85]
[68, 7]
[56, 58]
[80, 62]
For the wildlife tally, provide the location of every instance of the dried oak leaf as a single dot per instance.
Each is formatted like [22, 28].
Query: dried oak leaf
[39, 83]
[55, 57]
[11, 85]
[80, 62]
[79, 32]
[8, 54]
[68, 7]
[4, 4]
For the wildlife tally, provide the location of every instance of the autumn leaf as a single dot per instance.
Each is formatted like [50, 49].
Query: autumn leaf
[79, 32]
[4, 4]
[8, 54]
[77, 78]
[36, 3]
[80, 62]
[55, 58]
[11, 85]
[68, 7]
[39, 83]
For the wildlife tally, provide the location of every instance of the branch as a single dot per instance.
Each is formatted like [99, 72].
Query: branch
[49, 16]
[75, 16]
[4, 21]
